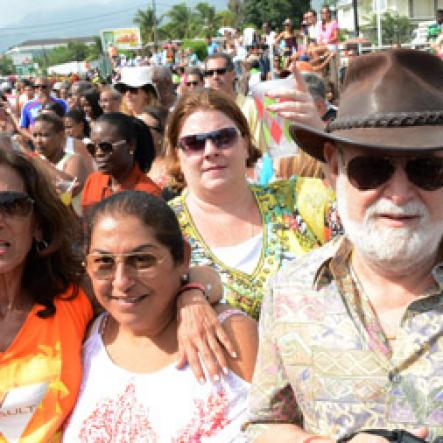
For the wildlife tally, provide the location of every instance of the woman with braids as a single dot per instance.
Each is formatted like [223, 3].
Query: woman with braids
[123, 149]
[43, 312]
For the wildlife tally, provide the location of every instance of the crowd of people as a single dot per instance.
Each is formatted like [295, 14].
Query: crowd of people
[154, 288]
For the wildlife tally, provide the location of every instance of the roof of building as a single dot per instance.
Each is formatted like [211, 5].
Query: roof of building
[53, 41]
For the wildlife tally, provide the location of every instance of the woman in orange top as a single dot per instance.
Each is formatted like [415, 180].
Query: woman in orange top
[123, 149]
[43, 312]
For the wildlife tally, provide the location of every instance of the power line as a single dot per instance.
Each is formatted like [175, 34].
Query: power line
[80, 20]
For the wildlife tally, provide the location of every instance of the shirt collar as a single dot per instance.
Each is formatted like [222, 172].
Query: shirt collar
[129, 182]
[336, 265]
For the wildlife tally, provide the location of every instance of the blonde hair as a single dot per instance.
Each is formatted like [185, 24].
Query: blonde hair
[151, 100]
[301, 164]
[202, 100]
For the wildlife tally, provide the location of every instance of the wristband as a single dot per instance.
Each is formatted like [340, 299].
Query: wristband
[189, 286]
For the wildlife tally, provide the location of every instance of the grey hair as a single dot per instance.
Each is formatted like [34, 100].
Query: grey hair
[316, 85]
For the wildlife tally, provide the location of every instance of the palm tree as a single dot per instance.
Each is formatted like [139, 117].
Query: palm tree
[207, 18]
[145, 20]
[182, 20]
[227, 18]
[395, 28]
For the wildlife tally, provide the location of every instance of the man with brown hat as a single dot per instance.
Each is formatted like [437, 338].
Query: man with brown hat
[351, 339]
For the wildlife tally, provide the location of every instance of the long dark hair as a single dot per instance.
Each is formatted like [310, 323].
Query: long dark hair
[79, 117]
[92, 97]
[134, 130]
[52, 271]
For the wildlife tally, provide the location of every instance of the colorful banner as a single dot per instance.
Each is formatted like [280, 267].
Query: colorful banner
[121, 38]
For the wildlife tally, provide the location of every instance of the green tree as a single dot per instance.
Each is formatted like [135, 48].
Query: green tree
[206, 18]
[182, 22]
[274, 11]
[145, 20]
[6, 65]
[236, 8]
[227, 18]
[396, 29]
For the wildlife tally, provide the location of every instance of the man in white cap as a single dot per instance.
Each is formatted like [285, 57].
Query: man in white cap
[351, 340]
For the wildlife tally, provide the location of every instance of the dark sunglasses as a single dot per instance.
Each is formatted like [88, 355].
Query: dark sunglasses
[369, 172]
[41, 86]
[105, 147]
[219, 71]
[191, 83]
[125, 88]
[15, 204]
[222, 138]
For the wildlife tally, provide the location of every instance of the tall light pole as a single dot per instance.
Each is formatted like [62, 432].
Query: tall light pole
[356, 25]
[154, 24]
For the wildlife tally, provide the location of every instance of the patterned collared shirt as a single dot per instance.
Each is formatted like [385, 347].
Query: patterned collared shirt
[325, 364]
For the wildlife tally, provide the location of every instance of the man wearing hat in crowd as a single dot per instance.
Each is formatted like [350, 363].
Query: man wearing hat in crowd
[351, 335]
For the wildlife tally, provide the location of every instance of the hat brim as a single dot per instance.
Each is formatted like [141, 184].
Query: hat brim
[407, 140]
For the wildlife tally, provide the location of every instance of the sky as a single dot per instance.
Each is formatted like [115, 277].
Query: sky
[22, 20]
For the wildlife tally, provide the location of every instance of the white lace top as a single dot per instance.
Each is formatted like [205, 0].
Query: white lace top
[167, 406]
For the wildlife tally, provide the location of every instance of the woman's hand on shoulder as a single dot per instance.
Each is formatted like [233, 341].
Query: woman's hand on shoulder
[201, 337]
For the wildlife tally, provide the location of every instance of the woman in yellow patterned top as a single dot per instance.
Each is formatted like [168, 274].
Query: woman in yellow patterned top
[245, 231]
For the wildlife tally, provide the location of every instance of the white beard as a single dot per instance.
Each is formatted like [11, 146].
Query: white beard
[398, 250]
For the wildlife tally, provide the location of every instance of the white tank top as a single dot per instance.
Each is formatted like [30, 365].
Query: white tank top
[167, 406]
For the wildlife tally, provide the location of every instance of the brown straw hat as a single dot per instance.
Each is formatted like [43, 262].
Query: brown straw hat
[392, 102]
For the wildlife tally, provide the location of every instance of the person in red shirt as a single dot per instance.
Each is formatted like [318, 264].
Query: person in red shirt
[123, 149]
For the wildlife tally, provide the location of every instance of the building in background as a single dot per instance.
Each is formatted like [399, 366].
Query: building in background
[37, 48]
[416, 10]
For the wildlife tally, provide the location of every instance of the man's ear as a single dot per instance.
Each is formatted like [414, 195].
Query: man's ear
[331, 155]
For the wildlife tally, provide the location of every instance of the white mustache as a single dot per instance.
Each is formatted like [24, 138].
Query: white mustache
[387, 207]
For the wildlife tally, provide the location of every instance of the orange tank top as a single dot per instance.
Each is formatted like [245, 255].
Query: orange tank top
[41, 371]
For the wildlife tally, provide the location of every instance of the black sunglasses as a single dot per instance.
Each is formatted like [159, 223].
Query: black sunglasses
[41, 86]
[219, 71]
[222, 138]
[125, 88]
[15, 204]
[105, 147]
[192, 83]
[369, 172]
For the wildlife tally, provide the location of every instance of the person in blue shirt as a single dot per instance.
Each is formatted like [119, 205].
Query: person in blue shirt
[212, 47]
[33, 108]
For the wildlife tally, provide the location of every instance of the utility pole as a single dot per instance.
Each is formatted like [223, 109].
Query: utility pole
[356, 25]
[154, 24]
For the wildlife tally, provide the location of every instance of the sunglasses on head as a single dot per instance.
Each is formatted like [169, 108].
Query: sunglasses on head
[15, 204]
[222, 138]
[219, 71]
[195, 83]
[105, 147]
[369, 172]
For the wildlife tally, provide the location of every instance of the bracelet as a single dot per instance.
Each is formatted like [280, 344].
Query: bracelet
[311, 438]
[189, 286]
